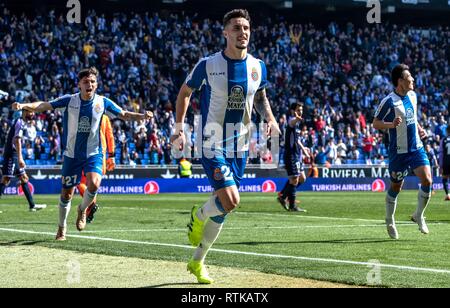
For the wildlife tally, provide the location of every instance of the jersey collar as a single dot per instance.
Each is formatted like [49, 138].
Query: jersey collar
[234, 60]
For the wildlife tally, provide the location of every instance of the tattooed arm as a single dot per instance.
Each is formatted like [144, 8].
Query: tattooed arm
[262, 106]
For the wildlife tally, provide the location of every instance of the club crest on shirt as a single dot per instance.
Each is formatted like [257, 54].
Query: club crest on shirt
[218, 175]
[255, 75]
[236, 99]
[98, 108]
[84, 126]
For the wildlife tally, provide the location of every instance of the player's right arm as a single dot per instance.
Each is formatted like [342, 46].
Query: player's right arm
[380, 124]
[33, 107]
[18, 144]
[59, 103]
[293, 122]
[383, 110]
[184, 96]
[195, 80]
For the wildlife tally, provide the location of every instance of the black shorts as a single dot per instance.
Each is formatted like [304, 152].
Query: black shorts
[11, 167]
[294, 167]
[446, 170]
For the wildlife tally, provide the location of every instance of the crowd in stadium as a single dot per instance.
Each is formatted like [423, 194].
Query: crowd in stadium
[340, 73]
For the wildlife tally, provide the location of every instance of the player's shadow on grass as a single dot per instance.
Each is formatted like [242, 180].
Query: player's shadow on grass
[350, 241]
[20, 243]
[163, 285]
[27, 223]
[439, 221]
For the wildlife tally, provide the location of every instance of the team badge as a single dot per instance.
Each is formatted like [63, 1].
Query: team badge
[97, 108]
[218, 175]
[255, 75]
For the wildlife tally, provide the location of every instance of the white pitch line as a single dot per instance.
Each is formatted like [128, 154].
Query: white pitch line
[305, 216]
[302, 216]
[252, 228]
[236, 252]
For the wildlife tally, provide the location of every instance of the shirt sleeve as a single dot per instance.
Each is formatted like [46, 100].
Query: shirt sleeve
[18, 129]
[383, 110]
[112, 108]
[61, 102]
[197, 78]
[264, 81]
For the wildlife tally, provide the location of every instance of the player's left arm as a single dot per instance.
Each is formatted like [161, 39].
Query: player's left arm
[134, 116]
[124, 115]
[422, 133]
[304, 150]
[262, 106]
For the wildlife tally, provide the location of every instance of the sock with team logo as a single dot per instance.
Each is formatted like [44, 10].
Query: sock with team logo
[423, 200]
[211, 232]
[28, 195]
[444, 182]
[211, 208]
[64, 210]
[88, 198]
[391, 206]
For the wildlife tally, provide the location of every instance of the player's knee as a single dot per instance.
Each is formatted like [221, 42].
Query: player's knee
[66, 195]
[294, 181]
[24, 179]
[93, 188]
[302, 180]
[231, 203]
[427, 182]
[396, 187]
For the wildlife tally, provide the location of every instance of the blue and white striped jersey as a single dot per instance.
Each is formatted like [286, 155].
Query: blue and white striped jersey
[404, 138]
[227, 90]
[81, 123]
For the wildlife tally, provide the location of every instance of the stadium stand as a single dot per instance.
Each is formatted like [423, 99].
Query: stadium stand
[339, 70]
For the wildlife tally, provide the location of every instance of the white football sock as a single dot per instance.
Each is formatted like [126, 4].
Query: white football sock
[391, 207]
[64, 210]
[210, 209]
[88, 198]
[422, 202]
[211, 232]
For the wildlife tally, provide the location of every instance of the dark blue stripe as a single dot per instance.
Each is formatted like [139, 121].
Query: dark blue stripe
[82, 138]
[410, 129]
[237, 79]
[219, 219]
[205, 102]
[65, 129]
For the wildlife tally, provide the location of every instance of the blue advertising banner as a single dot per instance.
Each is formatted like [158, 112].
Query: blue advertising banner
[259, 185]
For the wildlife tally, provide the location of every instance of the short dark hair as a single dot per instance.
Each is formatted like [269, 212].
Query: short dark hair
[295, 105]
[87, 72]
[397, 73]
[237, 13]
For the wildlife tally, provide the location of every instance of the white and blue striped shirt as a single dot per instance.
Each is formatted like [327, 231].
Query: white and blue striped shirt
[227, 90]
[404, 138]
[81, 123]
